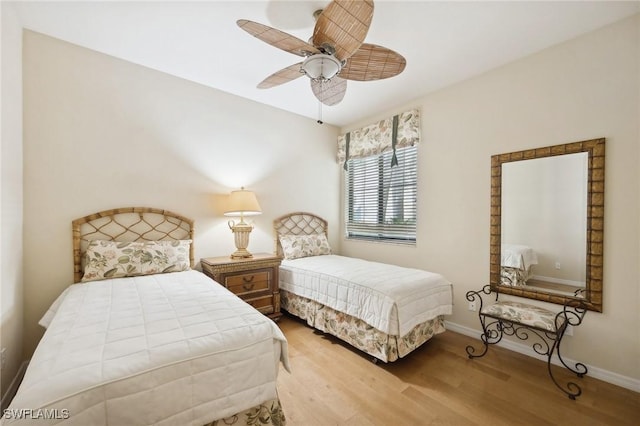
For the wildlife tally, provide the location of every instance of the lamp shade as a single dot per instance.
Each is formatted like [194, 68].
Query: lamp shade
[242, 202]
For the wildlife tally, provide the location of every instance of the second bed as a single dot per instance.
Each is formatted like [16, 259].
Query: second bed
[384, 310]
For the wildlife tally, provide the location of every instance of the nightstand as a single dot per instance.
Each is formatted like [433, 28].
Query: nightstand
[254, 280]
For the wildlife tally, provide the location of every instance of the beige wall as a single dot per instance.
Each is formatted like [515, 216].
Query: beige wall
[101, 133]
[11, 317]
[585, 88]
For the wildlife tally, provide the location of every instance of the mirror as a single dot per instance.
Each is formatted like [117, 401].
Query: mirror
[547, 217]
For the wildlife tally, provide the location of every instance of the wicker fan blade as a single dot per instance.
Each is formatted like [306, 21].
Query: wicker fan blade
[277, 38]
[329, 92]
[285, 75]
[343, 24]
[372, 62]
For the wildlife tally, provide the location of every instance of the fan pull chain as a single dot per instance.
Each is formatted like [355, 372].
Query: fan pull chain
[319, 121]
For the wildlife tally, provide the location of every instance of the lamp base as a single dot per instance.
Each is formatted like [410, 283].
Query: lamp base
[241, 254]
[241, 233]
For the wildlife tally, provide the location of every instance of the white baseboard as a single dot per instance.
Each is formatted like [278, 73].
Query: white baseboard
[572, 283]
[595, 372]
[13, 387]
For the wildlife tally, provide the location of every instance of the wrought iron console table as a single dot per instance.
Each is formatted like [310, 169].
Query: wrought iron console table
[519, 320]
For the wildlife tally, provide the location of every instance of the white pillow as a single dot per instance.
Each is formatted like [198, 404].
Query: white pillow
[296, 246]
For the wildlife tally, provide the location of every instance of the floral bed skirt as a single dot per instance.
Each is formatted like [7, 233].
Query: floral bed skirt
[267, 413]
[356, 332]
[514, 277]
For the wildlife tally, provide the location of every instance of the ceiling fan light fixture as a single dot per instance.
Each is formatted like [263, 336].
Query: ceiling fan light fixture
[336, 51]
[321, 66]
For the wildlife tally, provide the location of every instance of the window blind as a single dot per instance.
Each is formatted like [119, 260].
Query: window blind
[380, 199]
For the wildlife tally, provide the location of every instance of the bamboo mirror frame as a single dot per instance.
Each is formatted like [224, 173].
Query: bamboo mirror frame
[595, 149]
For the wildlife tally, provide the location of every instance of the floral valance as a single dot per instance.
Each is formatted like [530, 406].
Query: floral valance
[394, 132]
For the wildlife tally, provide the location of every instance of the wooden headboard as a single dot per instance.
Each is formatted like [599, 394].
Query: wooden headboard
[299, 223]
[128, 224]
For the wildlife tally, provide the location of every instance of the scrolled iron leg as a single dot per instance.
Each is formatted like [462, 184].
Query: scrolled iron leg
[471, 350]
[568, 317]
[575, 319]
[572, 390]
[580, 369]
[490, 336]
[476, 296]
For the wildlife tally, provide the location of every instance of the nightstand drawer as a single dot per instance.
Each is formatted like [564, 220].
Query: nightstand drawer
[249, 282]
[254, 280]
[263, 304]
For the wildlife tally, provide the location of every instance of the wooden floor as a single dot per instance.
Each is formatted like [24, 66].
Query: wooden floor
[333, 384]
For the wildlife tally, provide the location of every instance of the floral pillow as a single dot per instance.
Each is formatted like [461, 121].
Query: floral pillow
[165, 256]
[112, 259]
[296, 246]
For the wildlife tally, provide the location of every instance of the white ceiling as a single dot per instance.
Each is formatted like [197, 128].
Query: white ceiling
[444, 42]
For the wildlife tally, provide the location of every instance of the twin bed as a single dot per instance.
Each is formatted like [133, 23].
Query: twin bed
[167, 347]
[516, 262]
[144, 339]
[383, 310]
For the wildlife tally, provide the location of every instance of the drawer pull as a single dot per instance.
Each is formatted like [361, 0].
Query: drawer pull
[248, 285]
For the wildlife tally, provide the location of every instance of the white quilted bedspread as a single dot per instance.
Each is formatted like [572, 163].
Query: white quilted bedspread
[517, 256]
[168, 349]
[391, 298]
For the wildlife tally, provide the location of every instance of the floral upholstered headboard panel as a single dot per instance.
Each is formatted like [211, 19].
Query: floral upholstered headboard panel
[128, 224]
[299, 223]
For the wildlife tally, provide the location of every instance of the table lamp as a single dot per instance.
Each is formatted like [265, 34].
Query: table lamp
[242, 203]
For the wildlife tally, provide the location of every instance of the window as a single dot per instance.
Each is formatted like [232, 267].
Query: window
[380, 200]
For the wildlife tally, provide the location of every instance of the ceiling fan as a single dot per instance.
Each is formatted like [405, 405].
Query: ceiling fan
[335, 53]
